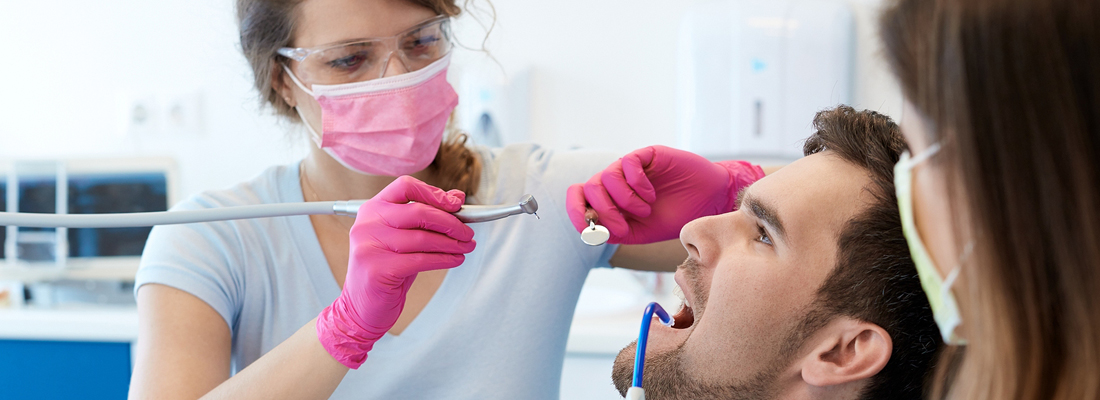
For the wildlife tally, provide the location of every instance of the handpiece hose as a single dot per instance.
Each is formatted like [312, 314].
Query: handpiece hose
[468, 214]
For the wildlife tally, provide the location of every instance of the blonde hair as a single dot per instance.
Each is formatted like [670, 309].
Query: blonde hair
[1011, 90]
[267, 25]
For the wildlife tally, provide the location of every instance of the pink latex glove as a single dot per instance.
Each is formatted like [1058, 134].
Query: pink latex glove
[407, 228]
[650, 194]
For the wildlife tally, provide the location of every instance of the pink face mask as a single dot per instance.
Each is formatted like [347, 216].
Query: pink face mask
[389, 126]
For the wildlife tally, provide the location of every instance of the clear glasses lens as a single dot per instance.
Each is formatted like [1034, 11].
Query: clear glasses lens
[426, 45]
[366, 60]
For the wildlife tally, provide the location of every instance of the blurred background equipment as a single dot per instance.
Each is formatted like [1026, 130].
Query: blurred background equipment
[67, 294]
[752, 73]
[85, 186]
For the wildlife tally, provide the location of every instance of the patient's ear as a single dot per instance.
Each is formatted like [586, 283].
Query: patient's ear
[846, 350]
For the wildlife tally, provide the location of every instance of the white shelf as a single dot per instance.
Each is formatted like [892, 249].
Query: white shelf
[96, 268]
[92, 323]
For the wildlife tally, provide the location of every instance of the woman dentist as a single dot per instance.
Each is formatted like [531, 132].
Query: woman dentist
[1000, 197]
[290, 307]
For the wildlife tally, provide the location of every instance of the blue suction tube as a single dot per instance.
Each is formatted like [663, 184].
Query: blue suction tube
[643, 335]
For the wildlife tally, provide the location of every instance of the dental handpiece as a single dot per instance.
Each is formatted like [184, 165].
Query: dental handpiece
[527, 205]
[467, 214]
[350, 208]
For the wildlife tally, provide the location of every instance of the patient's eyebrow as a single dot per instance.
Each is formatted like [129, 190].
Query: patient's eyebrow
[762, 210]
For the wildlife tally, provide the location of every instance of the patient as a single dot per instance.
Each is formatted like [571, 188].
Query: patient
[807, 291]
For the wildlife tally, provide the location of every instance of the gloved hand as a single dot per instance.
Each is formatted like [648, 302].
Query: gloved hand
[650, 194]
[407, 228]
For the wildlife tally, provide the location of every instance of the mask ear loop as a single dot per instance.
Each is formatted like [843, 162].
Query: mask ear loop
[924, 155]
[951, 277]
[313, 135]
[968, 249]
[954, 274]
[296, 81]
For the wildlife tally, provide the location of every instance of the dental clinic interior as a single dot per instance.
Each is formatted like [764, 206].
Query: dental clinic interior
[129, 106]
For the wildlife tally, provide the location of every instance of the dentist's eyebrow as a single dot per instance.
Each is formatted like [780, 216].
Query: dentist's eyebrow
[762, 210]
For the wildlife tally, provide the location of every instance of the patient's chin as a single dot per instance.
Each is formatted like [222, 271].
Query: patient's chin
[662, 372]
[622, 373]
[666, 379]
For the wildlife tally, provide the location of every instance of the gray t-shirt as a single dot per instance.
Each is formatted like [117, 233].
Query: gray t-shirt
[496, 328]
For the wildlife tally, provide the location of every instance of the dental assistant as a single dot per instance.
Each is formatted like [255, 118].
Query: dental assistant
[999, 197]
[322, 306]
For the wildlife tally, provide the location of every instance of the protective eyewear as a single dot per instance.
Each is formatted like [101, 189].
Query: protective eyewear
[366, 59]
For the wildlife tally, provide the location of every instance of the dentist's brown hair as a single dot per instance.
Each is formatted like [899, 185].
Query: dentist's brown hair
[267, 25]
[1011, 88]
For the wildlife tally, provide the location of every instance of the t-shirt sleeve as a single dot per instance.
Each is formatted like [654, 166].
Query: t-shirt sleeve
[556, 171]
[200, 259]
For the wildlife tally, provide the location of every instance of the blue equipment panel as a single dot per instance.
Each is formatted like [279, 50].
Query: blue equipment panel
[33, 369]
[3, 207]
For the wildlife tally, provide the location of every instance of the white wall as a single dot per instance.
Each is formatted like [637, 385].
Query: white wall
[602, 75]
[604, 72]
[66, 64]
[876, 89]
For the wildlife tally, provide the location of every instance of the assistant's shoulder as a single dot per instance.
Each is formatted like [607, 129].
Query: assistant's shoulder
[525, 160]
[510, 156]
[526, 168]
[559, 169]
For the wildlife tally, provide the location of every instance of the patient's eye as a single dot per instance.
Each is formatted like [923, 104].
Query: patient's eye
[762, 235]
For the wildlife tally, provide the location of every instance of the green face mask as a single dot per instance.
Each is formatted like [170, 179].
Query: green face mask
[945, 309]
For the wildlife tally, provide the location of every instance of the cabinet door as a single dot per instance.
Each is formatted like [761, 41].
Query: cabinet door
[33, 369]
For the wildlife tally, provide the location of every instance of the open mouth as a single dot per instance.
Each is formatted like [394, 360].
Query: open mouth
[684, 318]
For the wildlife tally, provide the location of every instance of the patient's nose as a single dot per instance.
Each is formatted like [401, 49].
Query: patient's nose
[697, 237]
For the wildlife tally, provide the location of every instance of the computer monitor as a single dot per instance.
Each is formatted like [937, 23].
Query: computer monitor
[91, 186]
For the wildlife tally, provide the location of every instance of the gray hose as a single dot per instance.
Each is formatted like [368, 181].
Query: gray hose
[527, 205]
[121, 220]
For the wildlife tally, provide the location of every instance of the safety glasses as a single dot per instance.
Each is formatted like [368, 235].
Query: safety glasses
[366, 59]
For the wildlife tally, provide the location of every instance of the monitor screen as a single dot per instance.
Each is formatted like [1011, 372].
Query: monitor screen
[119, 193]
[89, 193]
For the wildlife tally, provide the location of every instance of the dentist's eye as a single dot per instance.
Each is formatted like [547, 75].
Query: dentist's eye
[426, 46]
[422, 42]
[348, 63]
[762, 235]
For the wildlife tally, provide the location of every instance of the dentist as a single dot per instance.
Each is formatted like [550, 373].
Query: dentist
[291, 308]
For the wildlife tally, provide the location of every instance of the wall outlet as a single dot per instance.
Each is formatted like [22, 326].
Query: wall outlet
[139, 115]
[152, 114]
[182, 114]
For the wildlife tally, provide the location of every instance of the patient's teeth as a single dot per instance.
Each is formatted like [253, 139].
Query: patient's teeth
[680, 294]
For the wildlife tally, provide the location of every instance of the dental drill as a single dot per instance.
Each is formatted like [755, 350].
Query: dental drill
[467, 214]
[527, 205]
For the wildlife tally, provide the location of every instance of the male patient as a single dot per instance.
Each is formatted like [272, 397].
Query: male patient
[806, 291]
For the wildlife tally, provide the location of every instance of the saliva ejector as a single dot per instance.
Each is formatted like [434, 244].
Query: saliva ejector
[652, 310]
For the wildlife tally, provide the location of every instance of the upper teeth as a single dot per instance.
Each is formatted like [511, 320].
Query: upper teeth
[680, 294]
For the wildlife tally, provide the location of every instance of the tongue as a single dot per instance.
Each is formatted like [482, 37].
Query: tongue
[683, 319]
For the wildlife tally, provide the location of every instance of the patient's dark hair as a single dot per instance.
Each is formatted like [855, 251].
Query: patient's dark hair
[875, 279]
